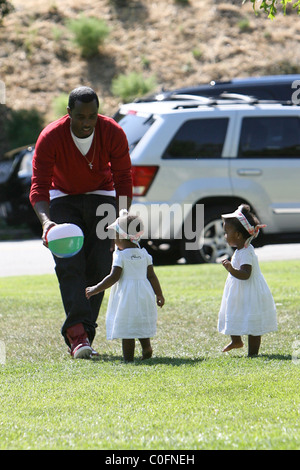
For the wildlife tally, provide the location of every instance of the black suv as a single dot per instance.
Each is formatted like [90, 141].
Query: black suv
[272, 87]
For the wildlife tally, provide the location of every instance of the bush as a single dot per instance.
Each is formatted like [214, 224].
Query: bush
[23, 127]
[134, 85]
[89, 34]
[59, 105]
[5, 8]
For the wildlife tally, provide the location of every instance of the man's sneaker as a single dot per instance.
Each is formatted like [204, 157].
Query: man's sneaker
[82, 351]
[92, 354]
[80, 345]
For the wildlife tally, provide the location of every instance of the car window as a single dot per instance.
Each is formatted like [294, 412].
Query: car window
[269, 137]
[135, 126]
[198, 138]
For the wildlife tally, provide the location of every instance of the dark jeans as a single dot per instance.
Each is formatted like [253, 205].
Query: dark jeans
[88, 267]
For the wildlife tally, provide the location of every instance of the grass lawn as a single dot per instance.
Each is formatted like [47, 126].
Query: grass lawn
[189, 396]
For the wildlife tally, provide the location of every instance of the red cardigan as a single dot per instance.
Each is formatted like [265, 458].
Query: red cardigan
[58, 164]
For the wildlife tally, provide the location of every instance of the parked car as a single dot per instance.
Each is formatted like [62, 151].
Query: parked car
[214, 154]
[15, 180]
[195, 152]
[271, 87]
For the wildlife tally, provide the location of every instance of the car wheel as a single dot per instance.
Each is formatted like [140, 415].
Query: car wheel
[162, 254]
[210, 243]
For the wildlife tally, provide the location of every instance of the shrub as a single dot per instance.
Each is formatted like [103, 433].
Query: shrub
[244, 25]
[89, 33]
[129, 87]
[59, 105]
[5, 8]
[23, 127]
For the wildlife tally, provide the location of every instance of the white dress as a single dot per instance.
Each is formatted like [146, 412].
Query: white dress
[131, 311]
[247, 307]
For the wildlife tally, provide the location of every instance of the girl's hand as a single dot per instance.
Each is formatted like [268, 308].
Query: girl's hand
[89, 291]
[227, 264]
[160, 300]
[243, 273]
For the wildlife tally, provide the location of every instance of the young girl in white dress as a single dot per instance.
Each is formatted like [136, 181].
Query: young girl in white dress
[131, 311]
[247, 306]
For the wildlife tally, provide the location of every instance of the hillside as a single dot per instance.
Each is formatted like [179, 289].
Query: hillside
[178, 44]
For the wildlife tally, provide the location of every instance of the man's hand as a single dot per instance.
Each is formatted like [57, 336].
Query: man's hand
[46, 227]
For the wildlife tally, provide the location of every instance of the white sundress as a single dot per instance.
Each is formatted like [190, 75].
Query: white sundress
[131, 311]
[247, 306]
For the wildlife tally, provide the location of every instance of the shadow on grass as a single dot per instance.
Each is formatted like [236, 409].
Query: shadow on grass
[277, 357]
[172, 361]
[179, 361]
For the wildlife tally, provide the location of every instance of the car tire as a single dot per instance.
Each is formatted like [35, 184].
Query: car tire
[210, 241]
[162, 254]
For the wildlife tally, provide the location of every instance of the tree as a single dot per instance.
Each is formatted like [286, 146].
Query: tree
[270, 6]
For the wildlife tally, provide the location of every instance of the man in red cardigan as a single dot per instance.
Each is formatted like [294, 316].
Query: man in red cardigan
[81, 162]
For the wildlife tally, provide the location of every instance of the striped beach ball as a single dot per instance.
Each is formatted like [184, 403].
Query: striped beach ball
[65, 240]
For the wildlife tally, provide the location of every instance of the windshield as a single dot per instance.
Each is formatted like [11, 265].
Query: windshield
[135, 126]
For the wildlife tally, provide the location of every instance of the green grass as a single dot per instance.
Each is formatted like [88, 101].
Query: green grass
[189, 396]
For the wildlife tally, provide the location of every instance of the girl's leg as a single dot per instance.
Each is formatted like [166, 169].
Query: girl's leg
[146, 348]
[128, 346]
[253, 345]
[236, 342]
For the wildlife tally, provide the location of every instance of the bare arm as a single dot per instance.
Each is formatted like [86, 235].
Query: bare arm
[41, 209]
[243, 273]
[153, 279]
[106, 283]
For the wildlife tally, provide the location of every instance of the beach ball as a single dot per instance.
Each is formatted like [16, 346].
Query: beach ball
[65, 240]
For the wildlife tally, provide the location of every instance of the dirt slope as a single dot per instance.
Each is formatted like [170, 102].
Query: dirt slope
[179, 45]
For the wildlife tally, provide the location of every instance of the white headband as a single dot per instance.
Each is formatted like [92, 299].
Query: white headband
[127, 236]
[252, 230]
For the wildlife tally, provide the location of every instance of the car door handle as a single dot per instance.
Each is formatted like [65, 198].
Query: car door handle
[249, 172]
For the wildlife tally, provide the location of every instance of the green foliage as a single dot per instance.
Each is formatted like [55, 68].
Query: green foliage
[23, 126]
[134, 85]
[270, 6]
[244, 25]
[59, 105]
[197, 53]
[5, 8]
[89, 33]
